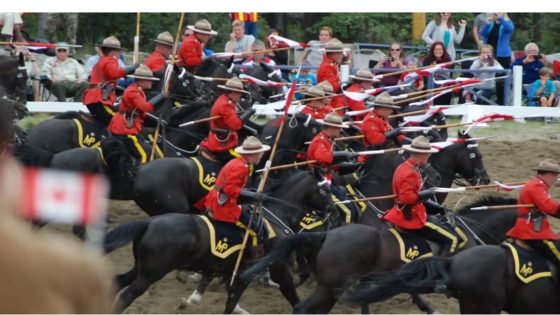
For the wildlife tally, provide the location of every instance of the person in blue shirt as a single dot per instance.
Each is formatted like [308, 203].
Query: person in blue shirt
[305, 79]
[532, 63]
[543, 91]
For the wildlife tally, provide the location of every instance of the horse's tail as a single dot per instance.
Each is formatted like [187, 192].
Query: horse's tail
[417, 277]
[33, 156]
[124, 234]
[284, 247]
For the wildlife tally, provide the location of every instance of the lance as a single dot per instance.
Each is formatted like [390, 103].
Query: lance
[262, 183]
[37, 45]
[503, 207]
[135, 56]
[199, 121]
[245, 54]
[408, 129]
[445, 64]
[167, 83]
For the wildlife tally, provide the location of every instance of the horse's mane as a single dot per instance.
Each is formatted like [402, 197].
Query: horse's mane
[289, 179]
[485, 201]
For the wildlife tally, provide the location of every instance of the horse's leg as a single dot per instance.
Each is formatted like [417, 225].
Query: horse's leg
[320, 302]
[196, 296]
[234, 295]
[365, 308]
[422, 304]
[280, 273]
[141, 283]
[303, 266]
[124, 279]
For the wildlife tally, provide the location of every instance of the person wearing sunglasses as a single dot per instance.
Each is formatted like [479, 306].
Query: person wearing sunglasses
[63, 75]
[441, 29]
[393, 60]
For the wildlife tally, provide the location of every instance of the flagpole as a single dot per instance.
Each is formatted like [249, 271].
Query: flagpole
[135, 56]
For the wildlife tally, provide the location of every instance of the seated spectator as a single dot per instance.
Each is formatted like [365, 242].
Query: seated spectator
[66, 77]
[315, 56]
[411, 63]
[33, 73]
[157, 60]
[239, 42]
[257, 58]
[532, 63]
[436, 55]
[485, 61]
[305, 79]
[12, 25]
[543, 91]
[394, 61]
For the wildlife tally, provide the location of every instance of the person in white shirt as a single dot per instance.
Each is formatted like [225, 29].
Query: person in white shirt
[64, 76]
[441, 29]
[239, 42]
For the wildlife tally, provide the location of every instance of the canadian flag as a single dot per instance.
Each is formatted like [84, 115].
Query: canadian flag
[64, 197]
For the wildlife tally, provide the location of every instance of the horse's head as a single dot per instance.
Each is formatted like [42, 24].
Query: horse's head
[13, 78]
[264, 94]
[184, 86]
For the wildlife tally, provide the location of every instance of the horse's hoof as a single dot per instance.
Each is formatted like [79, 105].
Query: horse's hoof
[239, 310]
[272, 284]
[196, 276]
[194, 298]
[182, 304]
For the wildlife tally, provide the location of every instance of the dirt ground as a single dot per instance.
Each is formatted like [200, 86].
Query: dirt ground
[504, 160]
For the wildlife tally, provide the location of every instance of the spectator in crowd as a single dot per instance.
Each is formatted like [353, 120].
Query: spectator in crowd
[441, 29]
[238, 41]
[157, 60]
[394, 61]
[485, 61]
[250, 19]
[497, 33]
[12, 25]
[192, 48]
[305, 79]
[33, 73]
[257, 58]
[479, 22]
[543, 91]
[532, 63]
[436, 55]
[316, 55]
[411, 63]
[66, 77]
[281, 56]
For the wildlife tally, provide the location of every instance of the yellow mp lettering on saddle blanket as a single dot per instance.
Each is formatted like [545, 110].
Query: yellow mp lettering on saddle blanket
[528, 266]
[88, 136]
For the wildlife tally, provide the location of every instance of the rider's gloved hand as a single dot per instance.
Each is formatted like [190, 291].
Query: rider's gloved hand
[342, 156]
[426, 194]
[393, 133]
[247, 114]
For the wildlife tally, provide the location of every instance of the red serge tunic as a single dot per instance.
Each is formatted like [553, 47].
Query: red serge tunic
[320, 149]
[230, 181]
[355, 105]
[155, 61]
[225, 108]
[133, 99]
[328, 71]
[374, 128]
[536, 193]
[106, 70]
[407, 181]
[191, 52]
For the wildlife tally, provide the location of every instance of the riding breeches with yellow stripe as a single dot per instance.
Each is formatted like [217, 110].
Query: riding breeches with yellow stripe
[134, 147]
[437, 232]
[101, 112]
[243, 223]
[547, 248]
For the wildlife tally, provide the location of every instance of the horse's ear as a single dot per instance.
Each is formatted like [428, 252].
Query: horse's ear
[21, 59]
[460, 134]
[266, 67]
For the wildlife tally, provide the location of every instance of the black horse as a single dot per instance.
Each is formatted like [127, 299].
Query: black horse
[482, 279]
[265, 94]
[350, 252]
[184, 245]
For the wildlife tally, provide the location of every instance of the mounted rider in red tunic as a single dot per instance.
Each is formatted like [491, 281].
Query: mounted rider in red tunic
[157, 60]
[100, 96]
[223, 138]
[409, 212]
[190, 54]
[362, 81]
[315, 103]
[532, 226]
[378, 133]
[334, 53]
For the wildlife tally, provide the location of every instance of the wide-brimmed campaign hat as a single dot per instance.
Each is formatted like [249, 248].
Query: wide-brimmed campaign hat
[314, 91]
[202, 26]
[334, 120]
[548, 165]
[420, 144]
[111, 42]
[252, 145]
[327, 87]
[382, 100]
[334, 45]
[234, 84]
[363, 74]
[164, 38]
[143, 73]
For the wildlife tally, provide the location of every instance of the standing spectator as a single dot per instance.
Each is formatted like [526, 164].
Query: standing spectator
[305, 79]
[395, 61]
[532, 63]
[157, 60]
[257, 58]
[485, 61]
[250, 19]
[436, 55]
[11, 25]
[441, 29]
[238, 41]
[497, 33]
[543, 91]
[316, 55]
[66, 77]
[192, 48]
[479, 22]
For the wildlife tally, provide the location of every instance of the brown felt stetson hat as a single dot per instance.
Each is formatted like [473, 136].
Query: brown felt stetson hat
[111, 42]
[143, 73]
[314, 91]
[334, 120]
[327, 87]
[334, 45]
[234, 84]
[548, 165]
[164, 38]
[202, 26]
[252, 145]
[363, 74]
[420, 144]
[382, 100]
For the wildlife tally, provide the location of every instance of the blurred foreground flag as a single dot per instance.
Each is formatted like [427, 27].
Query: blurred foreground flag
[64, 197]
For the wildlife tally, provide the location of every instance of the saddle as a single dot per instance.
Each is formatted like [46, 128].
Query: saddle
[528, 265]
[89, 131]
